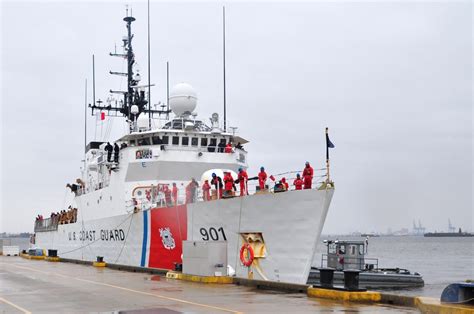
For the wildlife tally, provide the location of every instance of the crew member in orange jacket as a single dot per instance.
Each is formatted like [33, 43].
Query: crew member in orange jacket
[262, 178]
[298, 183]
[206, 187]
[243, 178]
[307, 176]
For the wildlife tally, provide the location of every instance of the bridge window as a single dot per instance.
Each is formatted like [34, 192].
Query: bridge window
[165, 139]
[156, 140]
[175, 140]
[203, 142]
[144, 141]
[194, 141]
[213, 142]
[185, 141]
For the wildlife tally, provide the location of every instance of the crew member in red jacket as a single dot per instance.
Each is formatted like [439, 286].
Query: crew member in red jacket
[174, 193]
[243, 178]
[307, 176]
[285, 184]
[298, 183]
[262, 178]
[228, 183]
[206, 187]
[228, 148]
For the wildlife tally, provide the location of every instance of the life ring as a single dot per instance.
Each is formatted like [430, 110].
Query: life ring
[246, 261]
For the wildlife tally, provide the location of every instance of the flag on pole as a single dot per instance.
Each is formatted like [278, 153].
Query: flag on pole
[329, 144]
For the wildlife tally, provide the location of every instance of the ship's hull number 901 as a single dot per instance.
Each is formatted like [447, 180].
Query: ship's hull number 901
[213, 234]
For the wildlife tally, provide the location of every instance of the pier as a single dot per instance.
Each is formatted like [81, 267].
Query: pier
[28, 286]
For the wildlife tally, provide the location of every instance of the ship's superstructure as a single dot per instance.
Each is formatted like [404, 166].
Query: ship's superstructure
[123, 210]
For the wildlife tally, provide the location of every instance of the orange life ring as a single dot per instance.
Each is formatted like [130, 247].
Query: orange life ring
[246, 261]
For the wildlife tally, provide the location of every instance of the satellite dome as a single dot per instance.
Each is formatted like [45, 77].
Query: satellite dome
[183, 99]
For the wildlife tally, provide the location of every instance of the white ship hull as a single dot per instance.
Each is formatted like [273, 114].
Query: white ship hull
[290, 224]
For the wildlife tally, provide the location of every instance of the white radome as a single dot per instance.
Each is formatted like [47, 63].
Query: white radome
[142, 122]
[183, 99]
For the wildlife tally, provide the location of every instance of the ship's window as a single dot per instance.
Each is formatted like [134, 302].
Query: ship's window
[156, 140]
[165, 139]
[361, 250]
[194, 141]
[175, 140]
[203, 142]
[185, 141]
[342, 249]
[144, 141]
[213, 142]
[353, 249]
[132, 142]
[332, 248]
[223, 141]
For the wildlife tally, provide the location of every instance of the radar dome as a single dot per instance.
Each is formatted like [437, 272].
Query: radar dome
[183, 99]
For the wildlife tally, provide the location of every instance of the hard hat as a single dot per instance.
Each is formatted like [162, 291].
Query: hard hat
[213, 175]
[298, 175]
[307, 162]
[240, 168]
[262, 168]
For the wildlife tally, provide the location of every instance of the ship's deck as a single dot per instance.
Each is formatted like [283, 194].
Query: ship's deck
[40, 286]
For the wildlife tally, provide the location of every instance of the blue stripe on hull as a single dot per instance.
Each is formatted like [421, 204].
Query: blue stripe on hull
[145, 238]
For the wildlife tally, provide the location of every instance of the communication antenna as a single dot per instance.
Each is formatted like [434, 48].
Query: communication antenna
[167, 90]
[93, 79]
[149, 86]
[223, 60]
[85, 122]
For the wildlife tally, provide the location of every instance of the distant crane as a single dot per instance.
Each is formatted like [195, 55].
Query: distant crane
[451, 228]
[418, 229]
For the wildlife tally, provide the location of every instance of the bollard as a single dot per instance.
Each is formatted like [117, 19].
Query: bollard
[351, 279]
[326, 276]
[100, 259]
[53, 253]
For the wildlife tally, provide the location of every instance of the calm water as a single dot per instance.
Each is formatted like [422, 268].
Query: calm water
[440, 261]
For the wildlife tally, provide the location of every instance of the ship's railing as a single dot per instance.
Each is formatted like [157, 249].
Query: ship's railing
[147, 197]
[344, 262]
[46, 224]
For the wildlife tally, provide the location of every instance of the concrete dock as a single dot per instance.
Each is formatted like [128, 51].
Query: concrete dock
[28, 286]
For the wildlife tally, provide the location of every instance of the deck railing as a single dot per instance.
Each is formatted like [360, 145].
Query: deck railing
[46, 224]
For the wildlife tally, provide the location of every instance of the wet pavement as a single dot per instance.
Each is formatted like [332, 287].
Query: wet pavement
[41, 286]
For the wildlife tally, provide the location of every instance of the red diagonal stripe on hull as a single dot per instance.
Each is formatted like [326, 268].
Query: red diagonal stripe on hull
[174, 218]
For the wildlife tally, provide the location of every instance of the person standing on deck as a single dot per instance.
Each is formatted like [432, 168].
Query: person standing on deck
[228, 183]
[298, 183]
[228, 148]
[285, 184]
[109, 148]
[307, 176]
[243, 178]
[217, 182]
[174, 193]
[206, 187]
[116, 153]
[262, 178]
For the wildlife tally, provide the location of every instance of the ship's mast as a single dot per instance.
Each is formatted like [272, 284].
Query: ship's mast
[131, 97]
[130, 62]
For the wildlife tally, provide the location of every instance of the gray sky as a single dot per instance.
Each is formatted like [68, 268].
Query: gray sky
[392, 81]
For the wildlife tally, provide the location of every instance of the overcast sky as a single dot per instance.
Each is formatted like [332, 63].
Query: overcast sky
[392, 81]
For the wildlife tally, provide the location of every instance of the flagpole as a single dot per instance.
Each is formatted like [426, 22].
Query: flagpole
[327, 155]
